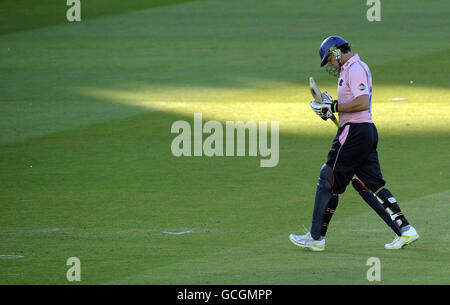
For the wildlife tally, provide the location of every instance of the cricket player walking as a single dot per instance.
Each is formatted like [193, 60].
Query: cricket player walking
[353, 151]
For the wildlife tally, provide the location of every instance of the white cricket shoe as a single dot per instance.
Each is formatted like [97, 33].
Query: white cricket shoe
[306, 241]
[406, 238]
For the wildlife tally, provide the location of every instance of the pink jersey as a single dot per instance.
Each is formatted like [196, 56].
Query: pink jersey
[354, 80]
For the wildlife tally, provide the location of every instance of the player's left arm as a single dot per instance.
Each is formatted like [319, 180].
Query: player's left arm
[360, 103]
[359, 85]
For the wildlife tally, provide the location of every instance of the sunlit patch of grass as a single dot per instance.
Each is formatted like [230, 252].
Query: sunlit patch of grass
[421, 109]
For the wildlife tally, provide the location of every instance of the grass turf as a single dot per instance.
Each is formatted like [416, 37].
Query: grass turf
[86, 111]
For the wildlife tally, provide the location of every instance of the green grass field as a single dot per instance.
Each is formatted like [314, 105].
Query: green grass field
[86, 110]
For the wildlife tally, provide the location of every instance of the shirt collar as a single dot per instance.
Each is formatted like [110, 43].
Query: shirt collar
[350, 62]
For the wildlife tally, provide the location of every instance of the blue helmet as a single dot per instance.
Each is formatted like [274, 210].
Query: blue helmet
[330, 46]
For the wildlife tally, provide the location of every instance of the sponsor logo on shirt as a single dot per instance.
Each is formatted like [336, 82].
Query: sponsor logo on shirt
[361, 86]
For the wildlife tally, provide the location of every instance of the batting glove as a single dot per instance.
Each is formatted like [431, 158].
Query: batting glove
[322, 110]
[328, 100]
